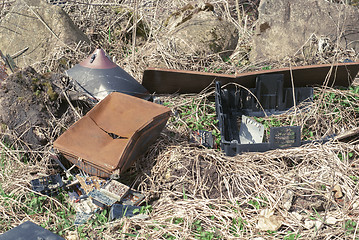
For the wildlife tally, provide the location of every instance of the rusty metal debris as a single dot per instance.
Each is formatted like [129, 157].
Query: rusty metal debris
[98, 76]
[110, 137]
[3, 73]
[168, 81]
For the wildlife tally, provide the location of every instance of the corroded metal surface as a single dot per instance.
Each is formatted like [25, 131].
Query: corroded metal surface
[113, 134]
[168, 81]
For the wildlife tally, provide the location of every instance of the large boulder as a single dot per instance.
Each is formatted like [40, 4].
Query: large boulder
[37, 25]
[200, 31]
[285, 26]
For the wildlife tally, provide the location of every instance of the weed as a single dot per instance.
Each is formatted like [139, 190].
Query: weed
[257, 204]
[200, 233]
[237, 226]
[143, 210]
[354, 178]
[177, 220]
[184, 193]
[350, 226]
[267, 67]
[200, 116]
[291, 236]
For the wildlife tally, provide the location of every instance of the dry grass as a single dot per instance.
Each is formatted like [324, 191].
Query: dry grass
[198, 193]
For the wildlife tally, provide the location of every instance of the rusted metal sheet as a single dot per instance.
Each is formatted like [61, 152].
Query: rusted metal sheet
[113, 134]
[168, 81]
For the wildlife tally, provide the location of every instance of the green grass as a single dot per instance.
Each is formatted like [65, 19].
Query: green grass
[199, 115]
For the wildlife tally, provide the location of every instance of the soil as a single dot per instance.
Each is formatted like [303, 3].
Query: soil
[30, 106]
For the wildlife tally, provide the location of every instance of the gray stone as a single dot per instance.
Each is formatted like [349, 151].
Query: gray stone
[285, 26]
[37, 25]
[202, 33]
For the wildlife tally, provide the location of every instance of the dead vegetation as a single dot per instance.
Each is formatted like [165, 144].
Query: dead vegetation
[192, 192]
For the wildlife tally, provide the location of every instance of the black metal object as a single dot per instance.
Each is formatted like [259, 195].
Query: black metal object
[47, 185]
[29, 231]
[118, 211]
[269, 97]
[202, 137]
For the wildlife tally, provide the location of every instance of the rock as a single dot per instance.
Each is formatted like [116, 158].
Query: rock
[201, 32]
[287, 199]
[285, 26]
[267, 221]
[297, 215]
[338, 193]
[331, 220]
[33, 24]
[308, 224]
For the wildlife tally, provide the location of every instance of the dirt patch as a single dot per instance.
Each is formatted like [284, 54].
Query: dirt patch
[30, 106]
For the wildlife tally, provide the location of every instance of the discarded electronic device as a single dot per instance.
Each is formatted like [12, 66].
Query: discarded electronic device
[113, 134]
[82, 218]
[29, 231]
[101, 199]
[115, 189]
[269, 97]
[204, 138]
[90, 183]
[168, 81]
[118, 211]
[132, 198]
[47, 185]
[98, 76]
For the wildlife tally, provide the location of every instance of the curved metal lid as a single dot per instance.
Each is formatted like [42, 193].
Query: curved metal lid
[98, 76]
[98, 60]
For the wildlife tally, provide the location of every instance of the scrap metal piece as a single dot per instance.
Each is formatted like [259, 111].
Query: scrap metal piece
[284, 137]
[82, 218]
[86, 206]
[250, 131]
[113, 134]
[115, 189]
[132, 198]
[118, 211]
[98, 76]
[202, 137]
[90, 183]
[351, 136]
[169, 81]
[3, 73]
[29, 231]
[101, 199]
[47, 185]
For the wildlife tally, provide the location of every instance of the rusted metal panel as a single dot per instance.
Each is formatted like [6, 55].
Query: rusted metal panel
[168, 81]
[113, 134]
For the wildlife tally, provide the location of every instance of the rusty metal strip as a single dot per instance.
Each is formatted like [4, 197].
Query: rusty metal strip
[168, 81]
